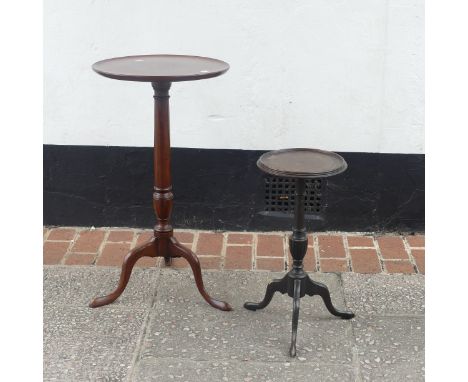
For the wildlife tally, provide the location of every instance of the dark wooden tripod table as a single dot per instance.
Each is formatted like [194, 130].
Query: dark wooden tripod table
[161, 71]
[300, 164]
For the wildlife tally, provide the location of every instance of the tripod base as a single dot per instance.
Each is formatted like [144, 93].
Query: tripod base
[169, 248]
[297, 284]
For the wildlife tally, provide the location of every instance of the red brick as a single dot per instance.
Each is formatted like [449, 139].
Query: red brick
[270, 264]
[360, 241]
[184, 237]
[208, 262]
[147, 262]
[89, 241]
[80, 259]
[309, 261]
[365, 261]
[240, 238]
[53, 252]
[61, 234]
[120, 235]
[238, 257]
[333, 265]
[177, 262]
[270, 245]
[144, 237]
[399, 266]
[392, 247]
[113, 254]
[331, 246]
[209, 243]
[416, 240]
[419, 257]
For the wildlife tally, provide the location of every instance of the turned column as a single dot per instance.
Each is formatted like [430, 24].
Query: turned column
[298, 239]
[162, 183]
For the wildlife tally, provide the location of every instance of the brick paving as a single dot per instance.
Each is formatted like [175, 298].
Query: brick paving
[327, 252]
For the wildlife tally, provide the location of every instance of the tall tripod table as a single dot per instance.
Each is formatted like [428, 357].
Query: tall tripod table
[161, 71]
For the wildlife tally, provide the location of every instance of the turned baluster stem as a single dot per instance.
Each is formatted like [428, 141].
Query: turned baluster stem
[162, 196]
[298, 239]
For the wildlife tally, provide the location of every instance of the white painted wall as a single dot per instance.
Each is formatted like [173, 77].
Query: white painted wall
[333, 74]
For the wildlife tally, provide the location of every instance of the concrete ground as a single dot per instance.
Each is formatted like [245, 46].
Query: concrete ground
[162, 330]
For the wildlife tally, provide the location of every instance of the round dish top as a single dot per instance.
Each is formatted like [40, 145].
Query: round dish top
[302, 163]
[160, 68]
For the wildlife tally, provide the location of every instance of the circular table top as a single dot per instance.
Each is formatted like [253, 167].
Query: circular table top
[160, 68]
[302, 163]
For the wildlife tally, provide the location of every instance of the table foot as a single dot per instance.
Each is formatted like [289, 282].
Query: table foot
[146, 250]
[178, 250]
[279, 285]
[313, 288]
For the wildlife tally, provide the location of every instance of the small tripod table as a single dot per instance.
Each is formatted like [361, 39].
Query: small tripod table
[300, 164]
[161, 71]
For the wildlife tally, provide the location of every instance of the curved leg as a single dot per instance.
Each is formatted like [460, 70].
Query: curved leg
[279, 285]
[295, 316]
[178, 250]
[315, 288]
[147, 249]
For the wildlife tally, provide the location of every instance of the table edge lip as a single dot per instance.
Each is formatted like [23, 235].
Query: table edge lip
[308, 175]
[142, 78]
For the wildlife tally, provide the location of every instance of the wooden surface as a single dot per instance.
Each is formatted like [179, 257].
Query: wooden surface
[302, 163]
[160, 68]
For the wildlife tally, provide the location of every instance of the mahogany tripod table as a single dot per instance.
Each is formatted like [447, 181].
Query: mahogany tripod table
[161, 71]
[300, 164]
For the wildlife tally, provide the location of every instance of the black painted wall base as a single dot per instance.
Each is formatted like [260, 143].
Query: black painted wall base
[223, 189]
